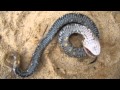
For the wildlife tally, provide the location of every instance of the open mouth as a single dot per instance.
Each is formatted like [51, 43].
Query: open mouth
[89, 52]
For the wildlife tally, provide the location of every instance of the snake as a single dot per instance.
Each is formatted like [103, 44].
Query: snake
[65, 25]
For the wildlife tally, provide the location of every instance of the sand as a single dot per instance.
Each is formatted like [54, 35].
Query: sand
[20, 32]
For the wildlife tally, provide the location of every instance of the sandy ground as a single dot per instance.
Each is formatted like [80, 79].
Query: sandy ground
[21, 31]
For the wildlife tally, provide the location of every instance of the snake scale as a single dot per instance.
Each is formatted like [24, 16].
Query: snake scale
[68, 24]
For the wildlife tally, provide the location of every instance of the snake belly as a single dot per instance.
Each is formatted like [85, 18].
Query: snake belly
[61, 24]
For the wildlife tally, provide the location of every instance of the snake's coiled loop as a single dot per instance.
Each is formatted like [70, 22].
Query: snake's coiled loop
[63, 21]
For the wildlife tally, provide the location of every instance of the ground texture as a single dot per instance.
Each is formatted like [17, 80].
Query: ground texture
[21, 31]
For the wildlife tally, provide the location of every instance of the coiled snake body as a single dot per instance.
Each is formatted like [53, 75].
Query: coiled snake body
[67, 25]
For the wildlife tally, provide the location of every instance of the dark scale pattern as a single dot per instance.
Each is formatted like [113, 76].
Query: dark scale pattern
[57, 26]
[63, 39]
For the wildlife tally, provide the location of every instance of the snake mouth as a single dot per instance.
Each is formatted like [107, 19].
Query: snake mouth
[89, 53]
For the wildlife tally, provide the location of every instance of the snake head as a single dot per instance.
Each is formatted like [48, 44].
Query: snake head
[92, 47]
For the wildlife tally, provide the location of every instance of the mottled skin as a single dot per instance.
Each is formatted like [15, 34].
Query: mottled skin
[91, 43]
[57, 26]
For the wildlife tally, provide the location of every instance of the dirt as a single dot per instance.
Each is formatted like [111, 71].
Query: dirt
[20, 32]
